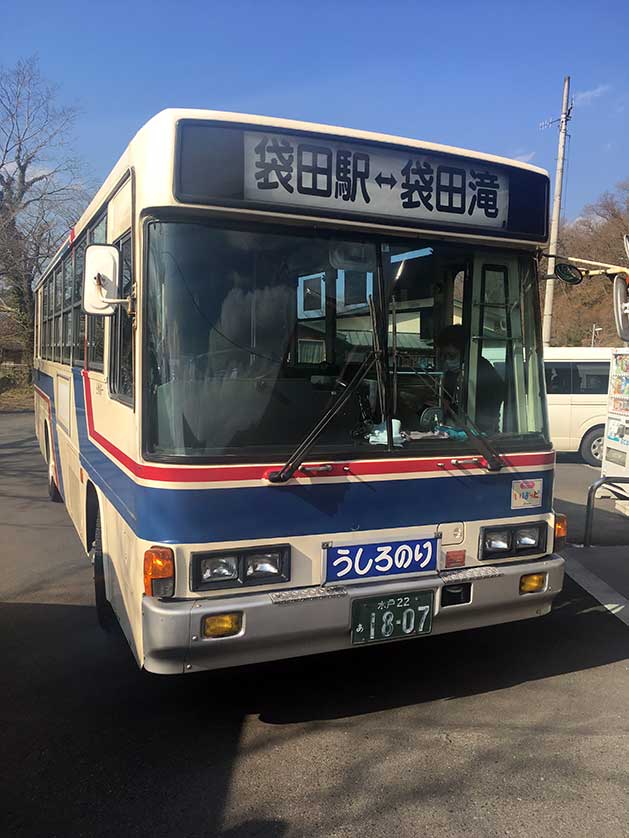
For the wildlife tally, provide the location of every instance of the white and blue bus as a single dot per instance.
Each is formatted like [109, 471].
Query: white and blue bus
[289, 386]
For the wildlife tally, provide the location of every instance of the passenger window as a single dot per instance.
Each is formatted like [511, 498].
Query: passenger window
[79, 317]
[590, 378]
[558, 378]
[122, 331]
[96, 324]
[96, 342]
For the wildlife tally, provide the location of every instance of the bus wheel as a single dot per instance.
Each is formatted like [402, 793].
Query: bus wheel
[53, 492]
[591, 449]
[104, 612]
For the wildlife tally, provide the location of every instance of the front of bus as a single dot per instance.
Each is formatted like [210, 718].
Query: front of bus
[343, 397]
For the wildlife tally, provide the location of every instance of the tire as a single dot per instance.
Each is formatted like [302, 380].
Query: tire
[591, 449]
[53, 492]
[105, 615]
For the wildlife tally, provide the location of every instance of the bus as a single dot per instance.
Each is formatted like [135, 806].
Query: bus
[289, 385]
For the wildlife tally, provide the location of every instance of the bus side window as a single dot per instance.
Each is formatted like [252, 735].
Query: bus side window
[96, 324]
[122, 331]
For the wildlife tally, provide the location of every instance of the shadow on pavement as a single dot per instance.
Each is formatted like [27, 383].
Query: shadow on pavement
[95, 747]
[92, 741]
[577, 635]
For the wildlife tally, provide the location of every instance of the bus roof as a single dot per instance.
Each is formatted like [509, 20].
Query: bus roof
[173, 115]
[144, 150]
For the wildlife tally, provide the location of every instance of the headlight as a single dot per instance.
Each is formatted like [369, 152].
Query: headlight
[513, 541]
[526, 538]
[250, 566]
[261, 565]
[219, 568]
[495, 541]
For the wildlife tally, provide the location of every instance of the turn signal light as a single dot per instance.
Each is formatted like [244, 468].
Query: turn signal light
[532, 583]
[159, 572]
[222, 625]
[561, 530]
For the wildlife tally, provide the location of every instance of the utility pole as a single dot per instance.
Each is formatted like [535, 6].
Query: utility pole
[566, 109]
[595, 330]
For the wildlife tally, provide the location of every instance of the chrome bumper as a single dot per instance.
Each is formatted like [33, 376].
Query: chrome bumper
[312, 621]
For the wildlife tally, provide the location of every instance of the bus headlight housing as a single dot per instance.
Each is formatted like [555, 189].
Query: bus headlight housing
[219, 568]
[496, 541]
[512, 541]
[236, 567]
[526, 538]
[263, 565]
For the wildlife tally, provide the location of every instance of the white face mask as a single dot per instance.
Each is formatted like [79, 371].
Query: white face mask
[452, 364]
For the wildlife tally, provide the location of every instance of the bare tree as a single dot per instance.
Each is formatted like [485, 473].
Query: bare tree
[41, 189]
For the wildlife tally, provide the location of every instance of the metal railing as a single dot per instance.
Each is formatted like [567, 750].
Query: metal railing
[589, 512]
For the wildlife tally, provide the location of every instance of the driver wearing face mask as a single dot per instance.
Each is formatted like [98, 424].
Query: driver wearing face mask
[490, 386]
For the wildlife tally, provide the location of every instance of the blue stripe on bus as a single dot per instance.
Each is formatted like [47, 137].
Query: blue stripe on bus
[181, 516]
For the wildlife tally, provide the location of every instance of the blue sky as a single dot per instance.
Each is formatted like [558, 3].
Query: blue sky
[477, 75]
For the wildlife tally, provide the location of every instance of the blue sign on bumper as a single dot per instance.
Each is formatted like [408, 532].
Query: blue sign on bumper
[368, 561]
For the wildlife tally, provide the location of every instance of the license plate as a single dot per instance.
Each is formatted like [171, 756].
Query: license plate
[379, 618]
[366, 561]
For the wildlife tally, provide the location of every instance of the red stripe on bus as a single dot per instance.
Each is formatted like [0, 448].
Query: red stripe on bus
[220, 474]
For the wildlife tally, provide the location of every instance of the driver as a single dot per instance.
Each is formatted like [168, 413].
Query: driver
[489, 388]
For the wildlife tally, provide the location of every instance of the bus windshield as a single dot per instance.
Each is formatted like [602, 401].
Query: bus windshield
[251, 334]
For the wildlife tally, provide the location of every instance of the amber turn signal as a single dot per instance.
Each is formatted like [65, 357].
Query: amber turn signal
[159, 572]
[561, 530]
[222, 625]
[532, 583]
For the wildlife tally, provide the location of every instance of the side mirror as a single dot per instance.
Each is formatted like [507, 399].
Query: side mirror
[100, 284]
[625, 241]
[621, 306]
[569, 274]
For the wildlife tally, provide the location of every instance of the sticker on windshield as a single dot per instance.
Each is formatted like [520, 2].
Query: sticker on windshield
[526, 493]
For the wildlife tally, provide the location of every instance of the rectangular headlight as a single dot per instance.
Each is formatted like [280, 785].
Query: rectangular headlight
[263, 565]
[526, 538]
[513, 541]
[248, 566]
[218, 568]
[496, 541]
[260, 566]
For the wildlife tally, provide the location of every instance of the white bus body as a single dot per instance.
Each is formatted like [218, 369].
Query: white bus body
[252, 247]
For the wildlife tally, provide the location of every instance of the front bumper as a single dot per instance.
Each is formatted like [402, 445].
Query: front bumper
[173, 641]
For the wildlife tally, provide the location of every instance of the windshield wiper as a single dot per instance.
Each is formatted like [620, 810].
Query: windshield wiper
[484, 447]
[297, 457]
[482, 444]
[373, 357]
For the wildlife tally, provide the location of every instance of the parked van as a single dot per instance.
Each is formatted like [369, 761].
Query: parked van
[577, 378]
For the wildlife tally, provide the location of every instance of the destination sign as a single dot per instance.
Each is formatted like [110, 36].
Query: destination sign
[312, 174]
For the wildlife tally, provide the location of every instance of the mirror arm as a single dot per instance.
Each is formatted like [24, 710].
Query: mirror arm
[129, 301]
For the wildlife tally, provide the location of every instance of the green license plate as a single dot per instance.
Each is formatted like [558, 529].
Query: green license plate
[379, 618]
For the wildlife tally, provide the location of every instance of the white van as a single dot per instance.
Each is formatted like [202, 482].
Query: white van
[576, 385]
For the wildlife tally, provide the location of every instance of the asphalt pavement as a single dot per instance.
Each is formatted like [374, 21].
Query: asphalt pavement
[572, 481]
[519, 730]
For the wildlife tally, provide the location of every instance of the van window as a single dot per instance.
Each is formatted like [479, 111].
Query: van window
[590, 377]
[558, 377]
